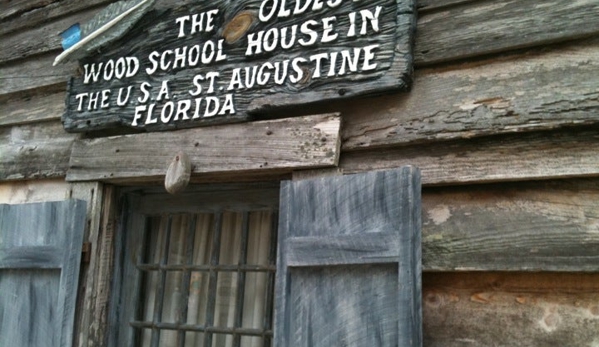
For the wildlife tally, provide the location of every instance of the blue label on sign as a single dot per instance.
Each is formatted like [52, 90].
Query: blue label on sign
[71, 36]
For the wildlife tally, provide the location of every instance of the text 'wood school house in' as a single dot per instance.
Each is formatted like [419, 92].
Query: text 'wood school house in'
[299, 173]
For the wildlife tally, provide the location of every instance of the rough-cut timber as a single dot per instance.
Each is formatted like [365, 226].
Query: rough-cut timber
[34, 151]
[336, 281]
[307, 70]
[515, 95]
[510, 309]
[280, 145]
[34, 73]
[533, 91]
[39, 107]
[537, 155]
[487, 27]
[41, 39]
[540, 226]
[24, 14]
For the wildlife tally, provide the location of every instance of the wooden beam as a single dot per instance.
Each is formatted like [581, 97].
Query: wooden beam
[490, 97]
[543, 155]
[34, 151]
[487, 27]
[434, 5]
[510, 309]
[23, 14]
[519, 93]
[34, 73]
[538, 226]
[280, 145]
[95, 292]
[25, 109]
[19, 7]
[40, 39]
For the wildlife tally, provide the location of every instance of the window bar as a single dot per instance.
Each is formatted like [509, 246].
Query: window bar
[186, 280]
[270, 290]
[141, 258]
[212, 284]
[159, 299]
[245, 225]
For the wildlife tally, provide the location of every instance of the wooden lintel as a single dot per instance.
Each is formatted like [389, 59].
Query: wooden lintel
[278, 146]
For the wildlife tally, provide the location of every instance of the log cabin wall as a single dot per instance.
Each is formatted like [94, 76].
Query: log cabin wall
[502, 119]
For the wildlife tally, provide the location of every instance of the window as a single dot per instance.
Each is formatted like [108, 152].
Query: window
[202, 269]
[198, 269]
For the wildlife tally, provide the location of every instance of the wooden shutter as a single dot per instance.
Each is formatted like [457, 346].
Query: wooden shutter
[40, 250]
[348, 266]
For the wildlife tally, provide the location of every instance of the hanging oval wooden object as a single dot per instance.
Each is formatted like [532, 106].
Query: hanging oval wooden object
[238, 26]
[178, 174]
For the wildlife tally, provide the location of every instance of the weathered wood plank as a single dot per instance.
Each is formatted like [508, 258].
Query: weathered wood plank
[445, 35]
[495, 26]
[24, 109]
[285, 144]
[29, 257]
[33, 13]
[346, 213]
[34, 73]
[34, 151]
[539, 226]
[429, 5]
[377, 248]
[491, 97]
[541, 155]
[41, 39]
[19, 7]
[534, 91]
[510, 309]
[97, 280]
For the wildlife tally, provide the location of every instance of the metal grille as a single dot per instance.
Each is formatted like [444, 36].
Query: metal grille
[170, 268]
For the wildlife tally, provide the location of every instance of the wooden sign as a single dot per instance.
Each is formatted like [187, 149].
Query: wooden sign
[226, 61]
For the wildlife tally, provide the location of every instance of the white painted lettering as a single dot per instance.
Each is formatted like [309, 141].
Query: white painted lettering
[120, 101]
[105, 99]
[89, 72]
[196, 82]
[328, 29]
[164, 92]
[146, 93]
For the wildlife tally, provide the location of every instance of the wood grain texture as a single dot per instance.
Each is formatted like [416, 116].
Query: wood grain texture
[24, 14]
[37, 308]
[501, 26]
[43, 38]
[445, 35]
[20, 7]
[539, 90]
[530, 156]
[25, 109]
[34, 151]
[29, 74]
[311, 141]
[97, 280]
[430, 5]
[322, 303]
[539, 226]
[510, 309]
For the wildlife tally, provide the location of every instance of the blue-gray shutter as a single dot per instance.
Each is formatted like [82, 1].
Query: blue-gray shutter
[349, 261]
[40, 251]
